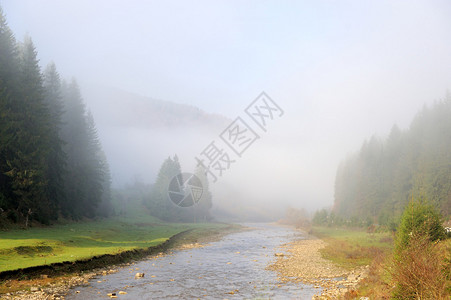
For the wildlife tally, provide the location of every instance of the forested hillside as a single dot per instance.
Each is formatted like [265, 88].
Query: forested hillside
[377, 182]
[126, 109]
[51, 160]
[146, 131]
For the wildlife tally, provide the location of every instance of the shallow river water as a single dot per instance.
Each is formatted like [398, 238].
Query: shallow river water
[232, 268]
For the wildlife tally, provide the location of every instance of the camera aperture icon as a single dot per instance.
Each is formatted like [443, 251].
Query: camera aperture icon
[185, 189]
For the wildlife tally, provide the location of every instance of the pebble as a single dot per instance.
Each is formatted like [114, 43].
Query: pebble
[57, 290]
[304, 263]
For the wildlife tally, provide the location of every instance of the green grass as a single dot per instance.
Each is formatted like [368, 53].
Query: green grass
[351, 248]
[78, 241]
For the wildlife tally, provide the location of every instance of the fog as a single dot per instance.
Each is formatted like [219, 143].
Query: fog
[340, 70]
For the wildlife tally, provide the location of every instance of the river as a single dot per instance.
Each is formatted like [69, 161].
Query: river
[232, 268]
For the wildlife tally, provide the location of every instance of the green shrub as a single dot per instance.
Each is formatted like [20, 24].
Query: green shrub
[420, 218]
[321, 217]
[421, 262]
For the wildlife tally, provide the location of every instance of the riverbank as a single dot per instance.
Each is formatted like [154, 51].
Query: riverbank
[71, 242]
[333, 260]
[142, 239]
[231, 268]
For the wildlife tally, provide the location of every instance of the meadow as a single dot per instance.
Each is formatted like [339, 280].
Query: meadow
[354, 247]
[83, 240]
[350, 248]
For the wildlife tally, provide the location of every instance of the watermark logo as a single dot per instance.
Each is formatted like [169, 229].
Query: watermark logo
[238, 137]
[185, 189]
[262, 110]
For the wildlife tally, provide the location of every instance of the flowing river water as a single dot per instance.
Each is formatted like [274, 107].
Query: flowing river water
[232, 268]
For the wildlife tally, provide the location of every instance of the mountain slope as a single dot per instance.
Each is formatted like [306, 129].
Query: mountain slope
[139, 132]
[379, 180]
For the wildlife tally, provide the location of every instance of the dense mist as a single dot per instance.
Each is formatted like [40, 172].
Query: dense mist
[166, 78]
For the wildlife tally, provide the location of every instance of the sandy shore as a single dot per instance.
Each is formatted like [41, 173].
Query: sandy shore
[301, 261]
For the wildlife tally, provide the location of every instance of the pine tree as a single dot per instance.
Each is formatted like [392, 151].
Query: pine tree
[9, 66]
[74, 133]
[105, 207]
[57, 158]
[87, 180]
[31, 142]
[51, 159]
[202, 208]
[9, 78]
[159, 203]
[97, 171]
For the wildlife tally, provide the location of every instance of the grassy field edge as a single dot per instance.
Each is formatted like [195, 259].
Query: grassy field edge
[353, 247]
[99, 261]
[169, 236]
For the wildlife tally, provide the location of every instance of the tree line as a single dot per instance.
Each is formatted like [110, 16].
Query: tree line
[51, 160]
[153, 199]
[375, 184]
[159, 206]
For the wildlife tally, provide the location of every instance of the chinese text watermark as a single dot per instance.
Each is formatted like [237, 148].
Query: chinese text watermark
[238, 137]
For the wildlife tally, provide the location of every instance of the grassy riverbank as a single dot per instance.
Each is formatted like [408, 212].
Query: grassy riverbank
[80, 241]
[127, 239]
[350, 248]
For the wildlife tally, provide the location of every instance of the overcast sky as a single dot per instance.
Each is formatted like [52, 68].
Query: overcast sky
[341, 70]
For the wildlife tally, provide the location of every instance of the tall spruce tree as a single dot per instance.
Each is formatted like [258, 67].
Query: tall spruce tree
[74, 134]
[96, 170]
[202, 208]
[31, 142]
[105, 207]
[87, 176]
[9, 109]
[57, 159]
[158, 201]
[51, 159]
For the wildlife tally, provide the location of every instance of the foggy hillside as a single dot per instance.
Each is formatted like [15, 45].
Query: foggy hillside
[139, 132]
[113, 107]
[129, 129]
[340, 72]
[377, 182]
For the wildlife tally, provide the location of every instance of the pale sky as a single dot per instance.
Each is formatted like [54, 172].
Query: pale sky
[341, 70]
